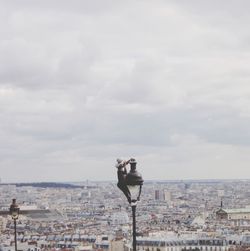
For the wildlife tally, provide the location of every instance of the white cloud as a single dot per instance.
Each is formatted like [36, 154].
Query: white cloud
[85, 82]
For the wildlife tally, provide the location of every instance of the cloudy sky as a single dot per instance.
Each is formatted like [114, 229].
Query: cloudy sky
[83, 82]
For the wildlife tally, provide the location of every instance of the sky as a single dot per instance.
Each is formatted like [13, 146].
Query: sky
[84, 82]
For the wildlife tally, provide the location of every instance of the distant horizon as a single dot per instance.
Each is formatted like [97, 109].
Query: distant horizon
[145, 181]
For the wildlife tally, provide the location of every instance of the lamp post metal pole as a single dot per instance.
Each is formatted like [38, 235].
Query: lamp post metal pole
[14, 212]
[15, 234]
[134, 227]
[130, 184]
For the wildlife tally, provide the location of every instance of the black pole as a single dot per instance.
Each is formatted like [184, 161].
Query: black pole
[134, 227]
[15, 234]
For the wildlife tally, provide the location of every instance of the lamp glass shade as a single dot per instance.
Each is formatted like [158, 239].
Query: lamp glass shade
[134, 192]
[15, 213]
[14, 210]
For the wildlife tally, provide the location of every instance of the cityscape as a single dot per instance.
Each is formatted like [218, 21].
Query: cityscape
[171, 215]
[124, 125]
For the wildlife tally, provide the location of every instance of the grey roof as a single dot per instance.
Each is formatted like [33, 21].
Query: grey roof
[237, 210]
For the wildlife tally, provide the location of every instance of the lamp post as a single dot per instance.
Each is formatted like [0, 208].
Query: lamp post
[14, 212]
[134, 184]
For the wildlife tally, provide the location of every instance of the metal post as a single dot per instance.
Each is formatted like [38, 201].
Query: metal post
[15, 234]
[134, 227]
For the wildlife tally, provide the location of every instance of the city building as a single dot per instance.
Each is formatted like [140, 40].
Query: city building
[239, 216]
[157, 194]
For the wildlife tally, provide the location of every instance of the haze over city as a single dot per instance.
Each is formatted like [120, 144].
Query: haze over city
[85, 82]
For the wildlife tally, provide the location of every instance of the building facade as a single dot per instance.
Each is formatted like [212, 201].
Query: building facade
[239, 216]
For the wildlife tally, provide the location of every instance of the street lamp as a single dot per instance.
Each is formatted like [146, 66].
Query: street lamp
[14, 212]
[134, 184]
